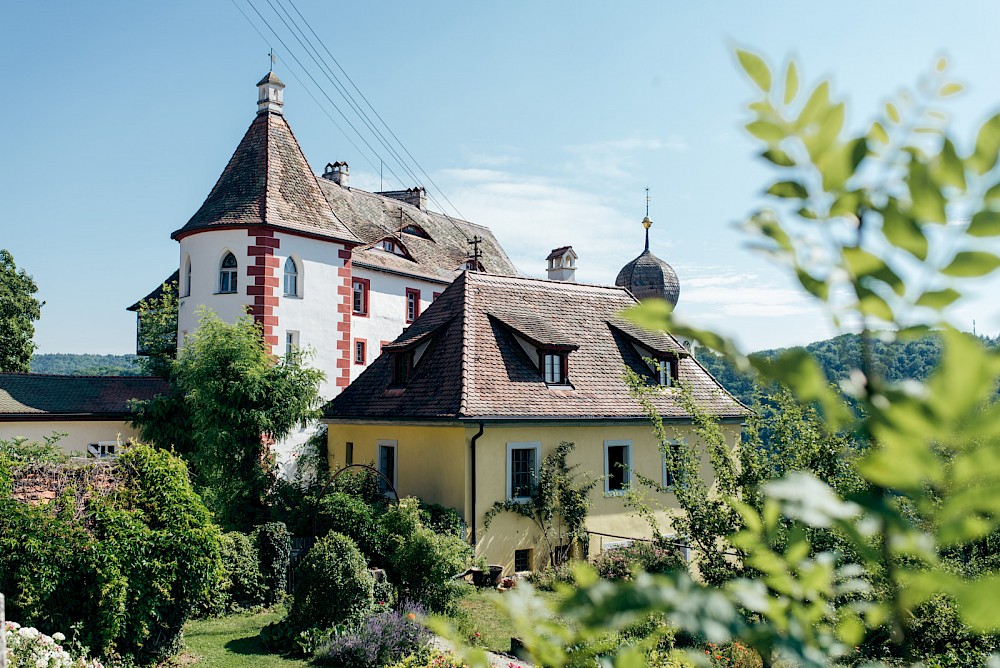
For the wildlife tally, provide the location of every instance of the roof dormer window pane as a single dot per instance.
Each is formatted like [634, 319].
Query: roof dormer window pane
[554, 368]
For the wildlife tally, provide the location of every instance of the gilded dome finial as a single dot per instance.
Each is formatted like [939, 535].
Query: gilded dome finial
[646, 222]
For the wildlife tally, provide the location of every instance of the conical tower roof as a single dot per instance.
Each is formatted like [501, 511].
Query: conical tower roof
[268, 182]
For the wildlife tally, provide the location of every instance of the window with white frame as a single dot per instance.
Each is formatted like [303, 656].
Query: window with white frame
[617, 463]
[522, 469]
[291, 342]
[387, 464]
[227, 274]
[554, 367]
[670, 468]
[666, 371]
[291, 278]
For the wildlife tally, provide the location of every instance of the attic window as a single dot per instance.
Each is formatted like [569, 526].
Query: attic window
[666, 371]
[473, 265]
[393, 246]
[416, 231]
[402, 367]
[555, 367]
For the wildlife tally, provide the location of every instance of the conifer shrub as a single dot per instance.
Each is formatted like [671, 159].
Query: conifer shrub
[333, 585]
[125, 570]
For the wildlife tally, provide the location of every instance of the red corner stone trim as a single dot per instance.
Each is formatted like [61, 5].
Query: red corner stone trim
[264, 282]
[346, 300]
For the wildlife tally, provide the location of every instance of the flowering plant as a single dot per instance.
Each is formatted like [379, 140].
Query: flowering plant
[27, 647]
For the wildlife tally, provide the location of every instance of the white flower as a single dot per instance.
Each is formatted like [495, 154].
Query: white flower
[58, 637]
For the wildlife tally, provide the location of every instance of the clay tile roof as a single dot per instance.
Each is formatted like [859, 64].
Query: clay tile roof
[268, 182]
[558, 252]
[475, 367]
[26, 395]
[440, 257]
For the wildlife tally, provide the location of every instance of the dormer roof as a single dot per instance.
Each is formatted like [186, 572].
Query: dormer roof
[476, 368]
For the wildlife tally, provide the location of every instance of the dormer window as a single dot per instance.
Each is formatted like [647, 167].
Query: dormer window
[416, 231]
[388, 246]
[666, 371]
[402, 367]
[554, 367]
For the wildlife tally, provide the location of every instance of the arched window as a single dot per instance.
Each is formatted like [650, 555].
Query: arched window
[187, 278]
[227, 274]
[291, 278]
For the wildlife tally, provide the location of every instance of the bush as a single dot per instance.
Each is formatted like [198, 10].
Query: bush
[274, 550]
[27, 648]
[381, 639]
[620, 563]
[732, 655]
[238, 583]
[351, 516]
[441, 519]
[547, 578]
[430, 660]
[420, 562]
[127, 570]
[333, 585]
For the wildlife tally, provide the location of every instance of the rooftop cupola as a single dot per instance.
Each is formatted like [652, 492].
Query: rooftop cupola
[270, 97]
[649, 277]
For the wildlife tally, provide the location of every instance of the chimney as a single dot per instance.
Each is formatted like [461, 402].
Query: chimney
[337, 172]
[416, 196]
[562, 264]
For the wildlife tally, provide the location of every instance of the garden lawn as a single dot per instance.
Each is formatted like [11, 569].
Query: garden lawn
[231, 641]
[482, 615]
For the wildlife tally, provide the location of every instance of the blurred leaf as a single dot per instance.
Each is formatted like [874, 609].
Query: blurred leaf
[984, 223]
[925, 194]
[993, 194]
[891, 112]
[970, 264]
[950, 89]
[778, 157]
[941, 65]
[791, 82]
[977, 603]
[877, 132]
[788, 189]
[814, 286]
[951, 169]
[817, 104]
[903, 232]
[766, 131]
[873, 305]
[756, 69]
[938, 299]
[987, 145]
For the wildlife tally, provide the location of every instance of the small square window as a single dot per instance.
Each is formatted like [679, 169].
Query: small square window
[522, 560]
[360, 356]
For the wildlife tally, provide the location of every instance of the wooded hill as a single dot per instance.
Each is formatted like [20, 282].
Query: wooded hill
[895, 361]
[85, 365]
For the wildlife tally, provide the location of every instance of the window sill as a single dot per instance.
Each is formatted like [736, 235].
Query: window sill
[560, 386]
[230, 292]
[291, 296]
[614, 493]
[520, 499]
[359, 314]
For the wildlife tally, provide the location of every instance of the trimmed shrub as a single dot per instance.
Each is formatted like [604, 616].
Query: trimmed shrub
[441, 519]
[333, 585]
[619, 564]
[127, 572]
[381, 639]
[420, 562]
[351, 516]
[274, 551]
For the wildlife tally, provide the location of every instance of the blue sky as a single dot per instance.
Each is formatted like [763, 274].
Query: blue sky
[545, 121]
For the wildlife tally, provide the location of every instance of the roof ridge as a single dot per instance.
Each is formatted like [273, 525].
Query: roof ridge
[463, 404]
[567, 284]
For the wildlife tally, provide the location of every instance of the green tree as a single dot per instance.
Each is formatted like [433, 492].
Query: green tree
[229, 401]
[157, 332]
[18, 312]
[862, 222]
[558, 505]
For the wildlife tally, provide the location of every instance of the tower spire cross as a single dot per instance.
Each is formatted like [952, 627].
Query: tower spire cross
[274, 59]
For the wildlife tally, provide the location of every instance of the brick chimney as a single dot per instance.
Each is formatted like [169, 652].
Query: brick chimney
[414, 196]
[562, 264]
[337, 172]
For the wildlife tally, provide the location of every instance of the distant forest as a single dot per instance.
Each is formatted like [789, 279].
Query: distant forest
[86, 365]
[895, 361]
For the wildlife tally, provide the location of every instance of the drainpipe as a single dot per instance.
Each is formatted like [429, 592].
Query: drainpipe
[472, 446]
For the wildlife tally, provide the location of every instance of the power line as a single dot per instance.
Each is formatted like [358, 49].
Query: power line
[377, 115]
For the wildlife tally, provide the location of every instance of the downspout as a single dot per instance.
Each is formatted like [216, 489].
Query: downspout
[472, 446]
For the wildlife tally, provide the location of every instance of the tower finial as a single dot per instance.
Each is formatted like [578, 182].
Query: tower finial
[275, 58]
[646, 222]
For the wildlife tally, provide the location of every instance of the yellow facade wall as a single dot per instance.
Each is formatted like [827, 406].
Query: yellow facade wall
[434, 464]
[79, 433]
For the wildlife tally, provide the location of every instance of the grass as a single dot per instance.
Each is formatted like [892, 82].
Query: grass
[231, 642]
[479, 614]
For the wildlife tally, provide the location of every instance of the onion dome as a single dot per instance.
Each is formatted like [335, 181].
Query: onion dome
[649, 277]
